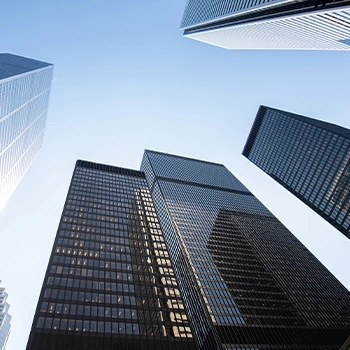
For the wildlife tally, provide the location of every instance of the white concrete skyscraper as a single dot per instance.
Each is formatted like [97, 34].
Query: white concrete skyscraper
[269, 24]
[5, 318]
[24, 97]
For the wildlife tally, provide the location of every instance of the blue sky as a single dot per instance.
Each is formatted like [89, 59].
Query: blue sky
[125, 80]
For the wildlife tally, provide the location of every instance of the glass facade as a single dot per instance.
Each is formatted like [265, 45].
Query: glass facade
[24, 96]
[5, 318]
[246, 281]
[308, 157]
[271, 24]
[110, 283]
[200, 12]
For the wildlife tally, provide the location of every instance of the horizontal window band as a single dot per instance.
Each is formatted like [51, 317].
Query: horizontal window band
[196, 184]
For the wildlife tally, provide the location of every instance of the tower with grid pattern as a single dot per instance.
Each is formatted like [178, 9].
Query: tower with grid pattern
[308, 157]
[25, 86]
[269, 24]
[180, 255]
[110, 282]
[246, 280]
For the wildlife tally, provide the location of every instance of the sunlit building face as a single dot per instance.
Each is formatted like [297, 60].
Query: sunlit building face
[269, 24]
[24, 97]
[5, 318]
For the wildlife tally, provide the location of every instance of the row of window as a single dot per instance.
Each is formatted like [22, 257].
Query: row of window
[105, 185]
[100, 227]
[120, 218]
[87, 310]
[64, 270]
[93, 245]
[88, 200]
[116, 217]
[107, 266]
[108, 177]
[98, 187]
[93, 254]
[73, 283]
[87, 326]
[94, 220]
[97, 264]
[101, 208]
[101, 175]
[92, 195]
[108, 237]
[121, 222]
[161, 256]
[78, 325]
[123, 243]
[88, 297]
[102, 214]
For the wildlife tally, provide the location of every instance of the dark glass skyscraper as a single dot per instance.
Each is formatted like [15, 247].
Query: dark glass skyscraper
[25, 86]
[247, 282]
[308, 157]
[110, 282]
[180, 255]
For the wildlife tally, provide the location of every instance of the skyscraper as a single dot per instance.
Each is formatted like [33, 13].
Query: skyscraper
[246, 281]
[309, 157]
[271, 24]
[5, 318]
[180, 255]
[109, 283]
[24, 96]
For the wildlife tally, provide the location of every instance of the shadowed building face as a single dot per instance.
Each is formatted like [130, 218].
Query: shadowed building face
[258, 287]
[180, 255]
[308, 157]
[110, 282]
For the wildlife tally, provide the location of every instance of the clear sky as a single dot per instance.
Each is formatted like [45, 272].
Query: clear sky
[125, 80]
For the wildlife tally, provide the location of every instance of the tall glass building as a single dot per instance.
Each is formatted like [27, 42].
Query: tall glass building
[5, 318]
[308, 157]
[269, 24]
[180, 255]
[246, 281]
[110, 283]
[24, 97]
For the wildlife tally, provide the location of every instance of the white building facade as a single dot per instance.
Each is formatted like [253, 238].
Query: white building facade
[281, 25]
[5, 318]
[24, 97]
